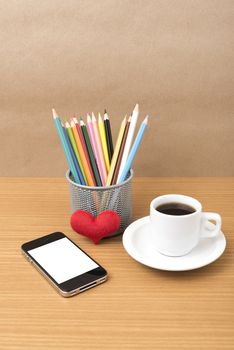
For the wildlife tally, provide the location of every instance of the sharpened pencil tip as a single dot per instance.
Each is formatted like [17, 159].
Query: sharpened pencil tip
[145, 121]
[99, 118]
[105, 117]
[136, 109]
[93, 117]
[88, 118]
[55, 115]
[105, 112]
[67, 125]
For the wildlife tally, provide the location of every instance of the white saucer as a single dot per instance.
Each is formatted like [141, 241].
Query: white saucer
[136, 241]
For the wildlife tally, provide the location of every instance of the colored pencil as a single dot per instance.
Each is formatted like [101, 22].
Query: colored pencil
[72, 154]
[102, 134]
[108, 136]
[99, 147]
[90, 153]
[86, 168]
[95, 149]
[132, 127]
[133, 151]
[81, 137]
[116, 152]
[73, 143]
[65, 146]
[117, 167]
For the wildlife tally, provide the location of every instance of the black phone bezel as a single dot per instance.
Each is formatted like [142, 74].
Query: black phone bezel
[73, 283]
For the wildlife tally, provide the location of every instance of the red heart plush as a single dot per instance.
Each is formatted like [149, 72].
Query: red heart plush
[95, 228]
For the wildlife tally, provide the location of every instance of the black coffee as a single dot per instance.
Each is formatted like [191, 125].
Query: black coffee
[175, 209]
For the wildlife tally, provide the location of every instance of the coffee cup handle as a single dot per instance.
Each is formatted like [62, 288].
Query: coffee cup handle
[210, 230]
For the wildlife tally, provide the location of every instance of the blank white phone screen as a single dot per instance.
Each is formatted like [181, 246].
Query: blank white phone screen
[62, 260]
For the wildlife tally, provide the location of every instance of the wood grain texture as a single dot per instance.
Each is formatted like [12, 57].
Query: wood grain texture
[138, 307]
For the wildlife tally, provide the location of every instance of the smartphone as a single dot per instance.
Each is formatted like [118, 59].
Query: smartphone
[69, 269]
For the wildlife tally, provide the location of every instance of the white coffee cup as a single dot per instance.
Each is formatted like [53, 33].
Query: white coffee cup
[177, 235]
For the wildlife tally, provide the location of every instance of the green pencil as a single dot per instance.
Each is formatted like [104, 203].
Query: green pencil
[90, 153]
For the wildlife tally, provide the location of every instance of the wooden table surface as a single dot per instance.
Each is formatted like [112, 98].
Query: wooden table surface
[138, 307]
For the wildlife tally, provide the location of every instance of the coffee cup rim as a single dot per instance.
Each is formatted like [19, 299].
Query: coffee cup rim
[163, 199]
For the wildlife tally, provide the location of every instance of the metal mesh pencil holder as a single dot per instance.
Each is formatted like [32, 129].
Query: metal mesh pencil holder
[97, 199]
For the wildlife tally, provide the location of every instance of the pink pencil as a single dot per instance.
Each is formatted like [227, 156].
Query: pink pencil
[99, 147]
[95, 149]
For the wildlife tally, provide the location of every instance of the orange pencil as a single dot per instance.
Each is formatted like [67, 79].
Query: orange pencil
[82, 155]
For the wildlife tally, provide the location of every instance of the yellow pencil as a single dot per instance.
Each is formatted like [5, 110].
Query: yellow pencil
[116, 152]
[102, 134]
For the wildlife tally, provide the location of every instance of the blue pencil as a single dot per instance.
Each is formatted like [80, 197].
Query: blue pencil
[82, 182]
[134, 150]
[65, 146]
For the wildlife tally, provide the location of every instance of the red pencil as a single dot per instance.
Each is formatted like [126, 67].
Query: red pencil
[84, 147]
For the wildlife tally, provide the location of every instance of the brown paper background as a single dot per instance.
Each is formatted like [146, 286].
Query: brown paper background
[175, 58]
